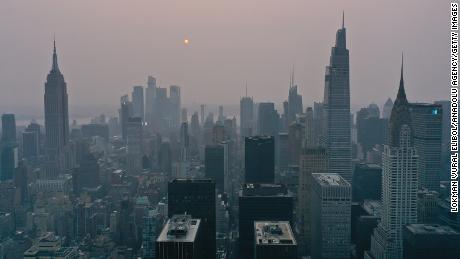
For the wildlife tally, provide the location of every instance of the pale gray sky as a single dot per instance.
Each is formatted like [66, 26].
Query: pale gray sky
[107, 46]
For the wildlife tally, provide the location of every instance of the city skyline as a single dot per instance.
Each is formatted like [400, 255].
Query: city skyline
[169, 170]
[302, 45]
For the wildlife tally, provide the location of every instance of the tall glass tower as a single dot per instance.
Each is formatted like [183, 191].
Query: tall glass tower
[337, 107]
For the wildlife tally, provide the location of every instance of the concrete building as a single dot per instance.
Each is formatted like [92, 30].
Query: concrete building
[181, 238]
[274, 240]
[312, 161]
[330, 216]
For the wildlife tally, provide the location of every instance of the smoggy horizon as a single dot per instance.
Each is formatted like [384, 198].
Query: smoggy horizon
[119, 44]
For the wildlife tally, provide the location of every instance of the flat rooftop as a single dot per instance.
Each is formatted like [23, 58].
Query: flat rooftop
[192, 180]
[260, 137]
[330, 180]
[273, 233]
[431, 229]
[179, 228]
[264, 189]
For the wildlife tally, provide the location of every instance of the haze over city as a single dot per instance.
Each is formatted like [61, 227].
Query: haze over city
[118, 43]
[216, 129]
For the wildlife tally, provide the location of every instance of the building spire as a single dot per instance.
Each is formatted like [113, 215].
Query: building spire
[400, 114]
[55, 66]
[401, 90]
[343, 19]
[291, 80]
[246, 88]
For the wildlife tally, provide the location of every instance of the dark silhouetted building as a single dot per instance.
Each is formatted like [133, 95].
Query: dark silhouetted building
[364, 219]
[367, 182]
[427, 127]
[196, 197]
[424, 241]
[214, 165]
[8, 148]
[8, 128]
[261, 202]
[259, 159]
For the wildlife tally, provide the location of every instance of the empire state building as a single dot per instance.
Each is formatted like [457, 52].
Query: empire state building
[56, 120]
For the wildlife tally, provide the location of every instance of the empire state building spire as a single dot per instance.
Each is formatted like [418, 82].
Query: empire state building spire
[55, 66]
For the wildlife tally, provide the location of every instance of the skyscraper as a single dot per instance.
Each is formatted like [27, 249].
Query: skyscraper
[330, 216]
[196, 197]
[295, 140]
[294, 102]
[202, 112]
[337, 108]
[427, 132]
[8, 128]
[137, 97]
[125, 112]
[214, 165]
[181, 238]
[312, 161]
[149, 234]
[268, 120]
[8, 148]
[261, 202]
[246, 117]
[399, 181]
[310, 139]
[150, 92]
[161, 110]
[134, 145]
[259, 159]
[274, 240]
[175, 109]
[56, 119]
[31, 141]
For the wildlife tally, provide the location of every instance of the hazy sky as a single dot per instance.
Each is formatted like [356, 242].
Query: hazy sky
[107, 46]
